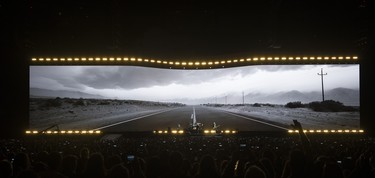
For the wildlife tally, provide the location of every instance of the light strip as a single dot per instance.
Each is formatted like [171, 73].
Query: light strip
[329, 131]
[29, 132]
[191, 64]
[207, 132]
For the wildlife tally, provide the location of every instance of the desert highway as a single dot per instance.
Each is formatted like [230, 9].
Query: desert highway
[205, 115]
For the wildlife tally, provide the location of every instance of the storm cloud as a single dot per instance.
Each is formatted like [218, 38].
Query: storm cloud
[130, 77]
[168, 84]
[126, 77]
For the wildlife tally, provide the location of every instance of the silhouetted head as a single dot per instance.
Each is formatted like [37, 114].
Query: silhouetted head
[296, 164]
[207, 166]
[297, 160]
[118, 171]
[254, 172]
[268, 167]
[186, 166]
[84, 153]
[54, 161]
[269, 155]
[21, 162]
[175, 159]
[28, 174]
[6, 169]
[113, 160]
[332, 170]
[153, 167]
[95, 166]
[69, 164]
[42, 157]
[39, 167]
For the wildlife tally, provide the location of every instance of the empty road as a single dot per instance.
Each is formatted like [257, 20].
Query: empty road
[205, 115]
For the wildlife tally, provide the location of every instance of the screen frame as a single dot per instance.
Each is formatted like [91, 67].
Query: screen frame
[197, 65]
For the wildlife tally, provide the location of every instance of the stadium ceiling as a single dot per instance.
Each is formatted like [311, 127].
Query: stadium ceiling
[190, 31]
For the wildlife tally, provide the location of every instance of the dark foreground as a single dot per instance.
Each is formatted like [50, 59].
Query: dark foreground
[189, 156]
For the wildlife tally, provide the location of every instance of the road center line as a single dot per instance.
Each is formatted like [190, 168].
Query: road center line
[140, 117]
[255, 120]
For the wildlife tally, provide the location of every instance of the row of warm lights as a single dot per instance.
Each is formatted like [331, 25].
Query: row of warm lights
[166, 132]
[205, 131]
[222, 131]
[327, 131]
[64, 132]
[125, 59]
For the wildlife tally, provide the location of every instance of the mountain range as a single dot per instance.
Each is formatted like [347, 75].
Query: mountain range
[45, 93]
[349, 97]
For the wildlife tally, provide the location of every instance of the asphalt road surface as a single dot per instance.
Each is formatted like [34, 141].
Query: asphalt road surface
[182, 116]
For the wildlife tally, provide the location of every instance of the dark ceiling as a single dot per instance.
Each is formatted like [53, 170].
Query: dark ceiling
[185, 29]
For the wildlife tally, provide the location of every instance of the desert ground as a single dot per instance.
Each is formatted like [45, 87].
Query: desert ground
[69, 113]
[88, 113]
[310, 119]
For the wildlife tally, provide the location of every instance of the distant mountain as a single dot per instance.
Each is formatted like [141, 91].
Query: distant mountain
[285, 97]
[346, 96]
[44, 93]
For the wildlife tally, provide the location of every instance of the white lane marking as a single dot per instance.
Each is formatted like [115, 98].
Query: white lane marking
[255, 120]
[193, 115]
[140, 117]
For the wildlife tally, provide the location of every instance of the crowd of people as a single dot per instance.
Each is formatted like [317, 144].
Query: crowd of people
[181, 156]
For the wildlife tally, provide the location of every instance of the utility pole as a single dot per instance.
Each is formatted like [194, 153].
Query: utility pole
[243, 98]
[321, 75]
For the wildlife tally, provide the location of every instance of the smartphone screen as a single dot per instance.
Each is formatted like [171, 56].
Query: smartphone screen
[130, 157]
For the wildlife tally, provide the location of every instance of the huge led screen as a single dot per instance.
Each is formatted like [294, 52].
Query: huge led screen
[250, 98]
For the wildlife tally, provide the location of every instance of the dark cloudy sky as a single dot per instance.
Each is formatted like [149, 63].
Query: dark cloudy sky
[130, 82]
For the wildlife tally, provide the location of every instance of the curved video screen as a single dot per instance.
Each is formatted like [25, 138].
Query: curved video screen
[249, 98]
